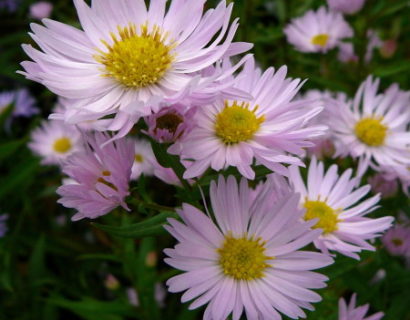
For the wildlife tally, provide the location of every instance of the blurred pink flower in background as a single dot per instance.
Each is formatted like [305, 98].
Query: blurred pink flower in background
[318, 31]
[41, 10]
[351, 312]
[397, 240]
[346, 6]
[383, 184]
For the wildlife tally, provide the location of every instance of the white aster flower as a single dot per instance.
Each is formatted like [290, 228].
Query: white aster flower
[318, 31]
[334, 200]
[374, 127]
[248, 261]
[144, 159]
[271, 128]
[54, 141]
[128, 58]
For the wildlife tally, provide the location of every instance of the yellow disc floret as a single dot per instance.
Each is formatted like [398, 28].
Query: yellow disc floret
[62, 145]
[371, 131]
[136, 59]
[243, 258]
[327, 216]
[236, 123]
[139, 158]
[320, 39]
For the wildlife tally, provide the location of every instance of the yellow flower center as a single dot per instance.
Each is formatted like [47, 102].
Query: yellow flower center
[243, 258]
[139, 158]
[136, 60]
[320, 39]
[371, 131]
[327, 216]
[62, 145]
[236, 123]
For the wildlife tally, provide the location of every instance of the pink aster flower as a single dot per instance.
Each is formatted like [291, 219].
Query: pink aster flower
[55, 141]
[129, 58]
[351, 312]
[334, 200]
[385, 185]
[248, 261]
[265, 129]
[101, 176]
[346, 6]
[346, 53]
[397, 240]
[40, 10]
[170, 123]
[374, 127]
[318, 31]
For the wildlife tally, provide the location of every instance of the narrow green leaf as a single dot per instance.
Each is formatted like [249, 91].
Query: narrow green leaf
[149, 227]
[8, 148]
[393, 69]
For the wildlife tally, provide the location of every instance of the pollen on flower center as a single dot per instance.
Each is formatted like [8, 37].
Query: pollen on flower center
[327, 216]
[397, 242]
[169, 121]
[243, 258]
[371, 131]
[139, 158]
[62, 145]
[320, 39]
[236, 123]
[136, 59]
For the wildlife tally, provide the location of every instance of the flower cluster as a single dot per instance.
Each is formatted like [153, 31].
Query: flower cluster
[164, 91]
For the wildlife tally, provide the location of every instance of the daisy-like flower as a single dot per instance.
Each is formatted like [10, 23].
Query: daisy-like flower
[318, 31]
[351, 312]
[346, 6]
[6, 100]
[101, 176]
[170, 123]
[249, 259]
[267, 128]
[54, 141]
[397, 240]
[374, 127]
[144, 159]
[129, 58]
[333, 199]
[384, 184]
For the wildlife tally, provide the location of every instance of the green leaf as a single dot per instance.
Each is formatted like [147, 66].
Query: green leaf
[36, 264]
[93, 309]
[8, 148]
[147, 228]
[21, 174]
[392, 69]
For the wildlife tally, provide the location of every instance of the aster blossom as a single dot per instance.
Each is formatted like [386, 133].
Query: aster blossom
[128, 58]
[54, 141]
[351, 312]
[374, 127]
[266, 128]
[101, 176]
[170, 123]
[248, 261]
[346, 6]
[144, 159]
[318, 31]
[397, 240]
[334, 200]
